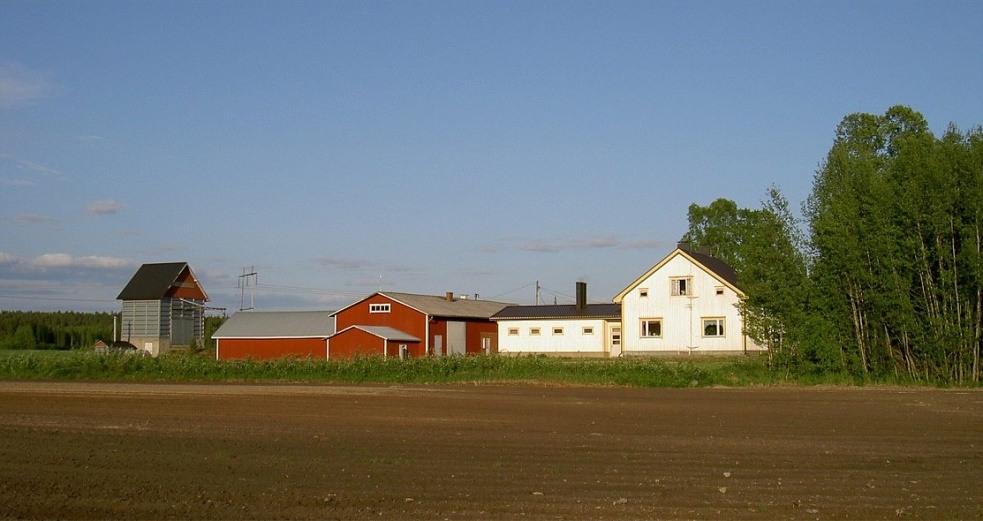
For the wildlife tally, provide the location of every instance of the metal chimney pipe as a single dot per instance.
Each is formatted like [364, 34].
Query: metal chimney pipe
[581, 296]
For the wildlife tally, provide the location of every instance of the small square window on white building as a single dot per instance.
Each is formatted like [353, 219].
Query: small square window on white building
[557, 331]
[534, 331]
[513, 331]
[587, 330]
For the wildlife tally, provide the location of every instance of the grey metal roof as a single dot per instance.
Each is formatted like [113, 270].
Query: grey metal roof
[152, 281]
[441, 307]
[602, 311]
[277, 324]
[388, 333]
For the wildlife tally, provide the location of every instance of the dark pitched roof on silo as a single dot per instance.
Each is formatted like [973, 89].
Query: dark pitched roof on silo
[152, 281]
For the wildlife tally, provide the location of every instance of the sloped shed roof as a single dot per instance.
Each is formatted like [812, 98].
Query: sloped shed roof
[277, 324]
[387, 333]
[154, 281]
[559, 311]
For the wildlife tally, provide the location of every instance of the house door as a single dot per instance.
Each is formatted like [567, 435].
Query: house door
[489, 343]
[438, 345]
[614, 340]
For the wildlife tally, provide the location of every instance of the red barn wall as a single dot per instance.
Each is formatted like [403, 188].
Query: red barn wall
[401, 317]
[355, 341]
[270, 348]
[473, 335]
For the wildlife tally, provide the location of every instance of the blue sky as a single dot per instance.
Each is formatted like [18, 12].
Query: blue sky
[475, 147]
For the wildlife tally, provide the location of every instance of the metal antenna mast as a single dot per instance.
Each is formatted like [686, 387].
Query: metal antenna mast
[244, 281]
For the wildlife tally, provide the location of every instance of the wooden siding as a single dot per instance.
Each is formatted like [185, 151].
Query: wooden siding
[572, 341]
[401, 317]
[354, 341]
[187, 287]
[682, 315]
[475, 331]
[270, 348]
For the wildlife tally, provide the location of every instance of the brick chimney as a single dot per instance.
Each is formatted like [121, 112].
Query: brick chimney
[449, 296]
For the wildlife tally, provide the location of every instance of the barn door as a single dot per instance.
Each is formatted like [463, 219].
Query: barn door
[182, 331]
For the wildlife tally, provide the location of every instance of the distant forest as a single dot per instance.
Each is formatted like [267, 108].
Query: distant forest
[65, 330]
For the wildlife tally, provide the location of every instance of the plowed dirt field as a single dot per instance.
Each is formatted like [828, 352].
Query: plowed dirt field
[176, 451]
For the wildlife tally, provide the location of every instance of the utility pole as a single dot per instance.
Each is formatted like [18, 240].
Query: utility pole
[244, 280]
[537, 292]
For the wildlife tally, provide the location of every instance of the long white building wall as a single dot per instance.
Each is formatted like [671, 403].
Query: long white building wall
[573, 339]
[682, 316]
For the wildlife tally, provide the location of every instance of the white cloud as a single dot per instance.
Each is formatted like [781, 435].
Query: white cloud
[64, 260]
[104, 207]
[6, 258]
[20, 85]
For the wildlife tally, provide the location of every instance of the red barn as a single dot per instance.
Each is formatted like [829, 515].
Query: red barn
[426, 325]
[274, 334]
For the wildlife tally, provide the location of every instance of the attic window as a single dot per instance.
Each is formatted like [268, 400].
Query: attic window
[681, 287]
[720, 290]
[643, 292]
[379, 308]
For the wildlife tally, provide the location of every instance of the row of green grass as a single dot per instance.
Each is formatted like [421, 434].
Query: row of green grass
[625, 371]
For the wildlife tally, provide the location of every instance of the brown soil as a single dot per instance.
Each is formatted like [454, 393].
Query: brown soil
[166, 451]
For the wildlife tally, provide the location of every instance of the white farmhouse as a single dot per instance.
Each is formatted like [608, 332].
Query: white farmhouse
[580, 329]
[687, 303]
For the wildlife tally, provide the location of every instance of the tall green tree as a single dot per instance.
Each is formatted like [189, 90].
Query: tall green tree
[765, 248]
[894, 220]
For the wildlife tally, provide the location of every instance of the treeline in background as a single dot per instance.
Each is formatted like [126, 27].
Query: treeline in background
[883, 277]
[64, 330]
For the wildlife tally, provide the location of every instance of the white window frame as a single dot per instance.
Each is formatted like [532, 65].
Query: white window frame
[534, 331]
[719, 290]
[719, 324]
[557, 331]
[643, 327]
[513, 331]
[380, 308]
[643, 292]
[587, 330]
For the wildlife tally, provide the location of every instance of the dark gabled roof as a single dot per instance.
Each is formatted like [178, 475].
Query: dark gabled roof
[277, 324]
[559, 311]
[153, 281]
[717, 266]
[711, 265]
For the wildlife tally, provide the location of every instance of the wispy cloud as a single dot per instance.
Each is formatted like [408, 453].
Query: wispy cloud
[20, 85]
[344, 263]
[37, 168]
[560, 244]
[105, 207]
[555, 245]
[34, 218]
